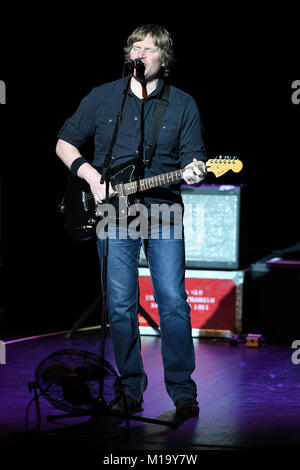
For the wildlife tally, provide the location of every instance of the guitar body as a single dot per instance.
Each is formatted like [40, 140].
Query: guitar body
[81, 211]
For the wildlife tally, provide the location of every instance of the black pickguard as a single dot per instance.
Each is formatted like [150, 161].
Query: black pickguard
[80, 209]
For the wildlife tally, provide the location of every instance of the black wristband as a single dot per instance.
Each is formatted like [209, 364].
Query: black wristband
[76, 164]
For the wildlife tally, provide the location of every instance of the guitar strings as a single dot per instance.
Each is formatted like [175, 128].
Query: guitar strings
[91, 196]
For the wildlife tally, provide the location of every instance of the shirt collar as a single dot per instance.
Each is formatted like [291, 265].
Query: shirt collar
[155, 92]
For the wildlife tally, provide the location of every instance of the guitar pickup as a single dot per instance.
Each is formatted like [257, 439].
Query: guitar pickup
[84, 200]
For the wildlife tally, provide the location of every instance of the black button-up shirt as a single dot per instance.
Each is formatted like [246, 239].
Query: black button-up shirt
[179, 140]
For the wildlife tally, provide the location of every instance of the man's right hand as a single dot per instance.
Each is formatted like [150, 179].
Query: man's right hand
[68, 153]
[93, 177]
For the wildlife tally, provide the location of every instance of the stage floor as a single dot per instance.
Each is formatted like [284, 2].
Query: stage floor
[249, 401]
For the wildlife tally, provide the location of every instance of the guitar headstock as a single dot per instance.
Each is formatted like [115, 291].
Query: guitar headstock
[220, 165]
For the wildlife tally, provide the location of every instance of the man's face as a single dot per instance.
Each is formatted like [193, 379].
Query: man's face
[149, 54]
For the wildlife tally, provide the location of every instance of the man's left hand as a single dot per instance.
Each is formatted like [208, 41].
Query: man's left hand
[194, 172]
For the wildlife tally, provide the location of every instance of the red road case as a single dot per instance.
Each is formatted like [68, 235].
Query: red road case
[215, 297]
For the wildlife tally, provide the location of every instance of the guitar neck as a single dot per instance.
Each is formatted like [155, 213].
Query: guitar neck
[217, 165]
[152, 182]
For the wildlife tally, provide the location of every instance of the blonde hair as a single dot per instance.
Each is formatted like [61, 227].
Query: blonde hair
[161, 38]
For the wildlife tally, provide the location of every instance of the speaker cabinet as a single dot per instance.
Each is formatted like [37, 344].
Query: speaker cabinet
[214, 227]
[275, 296]
[213, 224]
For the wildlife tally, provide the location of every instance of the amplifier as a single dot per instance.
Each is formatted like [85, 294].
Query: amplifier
[214, 227]
[216, 299]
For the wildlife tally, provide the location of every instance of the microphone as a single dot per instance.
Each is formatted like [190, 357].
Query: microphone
[134, 64]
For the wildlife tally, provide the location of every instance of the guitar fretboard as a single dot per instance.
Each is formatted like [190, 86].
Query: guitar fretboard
[152, 182]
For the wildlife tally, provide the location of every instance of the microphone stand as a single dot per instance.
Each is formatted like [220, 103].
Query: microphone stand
[105, 178]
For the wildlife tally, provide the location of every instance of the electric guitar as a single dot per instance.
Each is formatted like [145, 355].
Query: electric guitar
[82, 212]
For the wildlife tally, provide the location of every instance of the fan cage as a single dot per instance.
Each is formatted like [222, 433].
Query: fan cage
[61, 365]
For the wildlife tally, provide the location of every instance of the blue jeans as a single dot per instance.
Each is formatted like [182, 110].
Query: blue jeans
[167, 267]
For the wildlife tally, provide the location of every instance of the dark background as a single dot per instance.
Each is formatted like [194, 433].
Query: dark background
[238, 63]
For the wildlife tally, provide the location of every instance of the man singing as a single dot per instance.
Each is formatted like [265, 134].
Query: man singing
[179, 145]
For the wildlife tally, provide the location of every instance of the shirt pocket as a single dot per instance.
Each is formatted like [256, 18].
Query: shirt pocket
[104, 131]
[168, 137]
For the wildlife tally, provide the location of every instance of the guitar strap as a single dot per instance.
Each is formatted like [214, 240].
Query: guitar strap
[157, 119]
